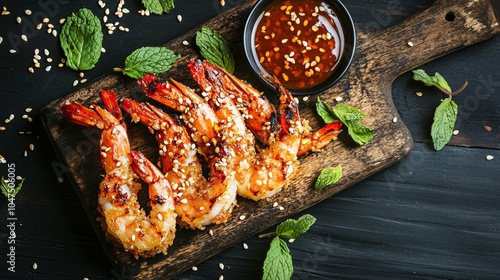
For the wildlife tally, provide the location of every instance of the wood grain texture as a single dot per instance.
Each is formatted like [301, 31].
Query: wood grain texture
[381, 56]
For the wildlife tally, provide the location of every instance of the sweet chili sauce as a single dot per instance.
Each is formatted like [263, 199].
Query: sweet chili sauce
[298, 41]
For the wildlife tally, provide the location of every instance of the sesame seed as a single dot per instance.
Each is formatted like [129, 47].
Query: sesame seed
[62, 20]
[245, 246]
[27, 12]
[410, 43]
[395, 119]
[49, 59]
[60, 179]
[103, 50]
[31, 70]
[32, 147]
[27, 110]
[1, 39]
[45, 20]
[25, 153]
[242, 217]
[39, 26]
[291, 240]
[60, 65]
[46, 52]
[50, 25]
[83, 81]
[221, 277]
[18, 20]
[54, 33]
[211, 232]
[12, 51]
[48, 68]
[75, 83]
[24, 116]
[2, 159]
[281, 208]
[455, 132]
[275, 204]
[2, 128]
[35, 266]
[489, 157]
[11, 117]
[222, 3]
[37, 57]
[221, 266]
[194, 268]
[184, 201]
[339, 98]
[418, 93]
[179, 18]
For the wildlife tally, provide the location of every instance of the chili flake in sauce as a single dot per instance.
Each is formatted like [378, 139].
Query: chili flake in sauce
[298, 41]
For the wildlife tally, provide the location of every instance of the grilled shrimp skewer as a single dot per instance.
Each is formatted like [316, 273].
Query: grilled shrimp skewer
[262, 174]
[260, 115]
[200, 202]
[123, 219]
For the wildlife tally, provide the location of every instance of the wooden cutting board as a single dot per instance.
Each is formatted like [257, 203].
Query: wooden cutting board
[380, 57]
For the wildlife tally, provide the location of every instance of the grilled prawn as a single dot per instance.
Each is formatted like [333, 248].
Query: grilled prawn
[263, 174]
[260, 115]
[199, 201]
[123, 219]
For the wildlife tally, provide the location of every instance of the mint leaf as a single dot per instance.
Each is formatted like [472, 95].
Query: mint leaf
[445, 117]
[328, 176]
[7, 190]
[215, 49]
[151, 60]
[437, 80]
[325, 111]
[158, 6]
[294, 228]
[81, 40]
[278, 263]
[350, 116]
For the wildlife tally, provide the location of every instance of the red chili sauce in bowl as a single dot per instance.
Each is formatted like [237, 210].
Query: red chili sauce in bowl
[298, 41]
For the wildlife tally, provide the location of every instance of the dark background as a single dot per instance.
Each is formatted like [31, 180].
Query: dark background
[433, 215]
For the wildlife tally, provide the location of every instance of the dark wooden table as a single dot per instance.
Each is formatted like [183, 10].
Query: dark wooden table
[433, 215]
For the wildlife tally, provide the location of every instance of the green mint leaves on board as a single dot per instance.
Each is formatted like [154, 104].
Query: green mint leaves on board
[349, 116]
[446, 113]
[158, 6]
[328, 176]
[7, 187]
[81, 40]
[146, 60]
[278, 263]
[215, 49]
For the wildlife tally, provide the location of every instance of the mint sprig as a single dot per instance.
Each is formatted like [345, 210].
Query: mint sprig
[81, 40]
[446, 113]
[215, 49]
[158, 6]
[278, 263]
[349, 116]
[152, 60]
[328, 176]
[7, 190]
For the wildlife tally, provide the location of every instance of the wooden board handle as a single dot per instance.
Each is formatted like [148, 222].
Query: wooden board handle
[442, 28]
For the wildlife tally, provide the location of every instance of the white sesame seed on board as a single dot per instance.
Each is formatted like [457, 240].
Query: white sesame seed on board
[221, 277]
[27, 110]
[179, 18]
[211, 232]
[242, 217]
[11, 116]
[83, 81]
[395, 119]
[54, 33]
[222, 3]
[489, 157]
[418, 93]
[31, 70]
[39, 26]
[245, 246]
[12, 51]
[275, 204]
[2, 159]
[185, 43]
[338, 98]
[455, 132]
[25, 153]
[221, 266]
[32, 147]
[194, 268]
[35, 266]
[3, 128]
[18, 19]
[281, 208]
[46, 52]
[410, 43]
[75, 82]
[48, 68]
[45, 20]
[24, 38]
[62, 20]
[1, 39]
[27, 12]
[60, 179]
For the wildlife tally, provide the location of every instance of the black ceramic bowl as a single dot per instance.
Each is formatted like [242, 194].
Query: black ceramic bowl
[346, 54]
